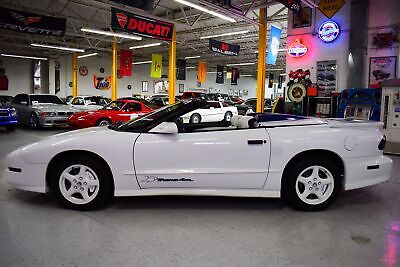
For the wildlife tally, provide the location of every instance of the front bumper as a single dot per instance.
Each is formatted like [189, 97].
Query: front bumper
[53, 121]
[366, 171]
[8, 122]
[30, 178]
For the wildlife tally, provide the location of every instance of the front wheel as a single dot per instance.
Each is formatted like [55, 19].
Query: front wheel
[81, 183]
[228, 116]
[103, 122]
[312, 184]
[195, 118]
[34, 121]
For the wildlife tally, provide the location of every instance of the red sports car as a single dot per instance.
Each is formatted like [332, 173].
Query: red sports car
[118, 110]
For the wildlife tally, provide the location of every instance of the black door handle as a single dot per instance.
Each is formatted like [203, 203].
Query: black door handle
[256, 142]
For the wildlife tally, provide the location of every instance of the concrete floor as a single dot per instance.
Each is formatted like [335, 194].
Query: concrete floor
[361, 229]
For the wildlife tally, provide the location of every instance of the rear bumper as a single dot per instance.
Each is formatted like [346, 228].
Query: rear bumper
[366, 171]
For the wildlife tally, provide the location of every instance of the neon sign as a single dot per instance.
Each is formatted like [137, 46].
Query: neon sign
[297, 49]
[328, 31]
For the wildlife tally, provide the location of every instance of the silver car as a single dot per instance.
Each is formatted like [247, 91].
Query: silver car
[41, 110]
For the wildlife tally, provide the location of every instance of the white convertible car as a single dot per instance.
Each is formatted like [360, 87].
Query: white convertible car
[213, 111]
[306, 161]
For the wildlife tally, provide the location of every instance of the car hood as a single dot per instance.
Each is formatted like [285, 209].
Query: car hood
[53, 108]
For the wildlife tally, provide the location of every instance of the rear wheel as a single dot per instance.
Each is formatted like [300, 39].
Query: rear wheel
[312, 184]
[195, 118]
[81, 183]
[34, 121]
[103, 122]
[228, 116]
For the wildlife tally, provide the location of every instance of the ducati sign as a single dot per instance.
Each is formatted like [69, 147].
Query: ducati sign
[31, 23]
[139, 25]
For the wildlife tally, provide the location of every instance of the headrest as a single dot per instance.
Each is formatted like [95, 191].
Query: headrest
[243, 122]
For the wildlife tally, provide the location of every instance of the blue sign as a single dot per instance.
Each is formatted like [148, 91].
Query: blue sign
[328, 31]
[273, 45]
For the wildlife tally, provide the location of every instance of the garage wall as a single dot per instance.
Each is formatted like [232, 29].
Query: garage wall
[381, 17]
[140, 73]
[19, 74]
[317, 49]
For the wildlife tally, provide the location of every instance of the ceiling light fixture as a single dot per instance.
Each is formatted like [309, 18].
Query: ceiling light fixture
[241, 64]
[246, 75]
[206, 10]
[144, 46]
[114, 34]
[59, 47]
[27, 57]
[190, 67]
[192, 57]
[274, 69]
[224, 34]
[88, 55]
[141, 62]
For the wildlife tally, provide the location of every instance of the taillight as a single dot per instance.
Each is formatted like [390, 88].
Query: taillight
[382, 143]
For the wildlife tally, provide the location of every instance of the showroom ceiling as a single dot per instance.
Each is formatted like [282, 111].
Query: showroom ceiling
[191, 25]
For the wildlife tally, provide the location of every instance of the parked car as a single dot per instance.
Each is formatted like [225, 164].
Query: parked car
[161, 100]
[119, 110]
[213, 111]
[306, 161]
[8, 117]
[224, 98]
[89, 102]
[41, 110]
[5, 99]
[190, 95]
[249, 106]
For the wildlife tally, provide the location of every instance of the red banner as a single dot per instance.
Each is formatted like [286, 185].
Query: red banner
[125, 63]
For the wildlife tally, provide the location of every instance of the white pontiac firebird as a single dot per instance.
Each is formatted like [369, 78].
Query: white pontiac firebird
[306, 161]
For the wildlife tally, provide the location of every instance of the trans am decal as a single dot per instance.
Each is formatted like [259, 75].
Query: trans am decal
[153, 179]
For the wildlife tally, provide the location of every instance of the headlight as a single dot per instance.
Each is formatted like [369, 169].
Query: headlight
[48, 114]
[13, 112]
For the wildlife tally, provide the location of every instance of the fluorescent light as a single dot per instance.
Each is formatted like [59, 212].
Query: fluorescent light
[211, 72]
[27, 57]
[190, 67]
[283, 74]
[88, 55]
[141, 62]
[224, 34]
[145, 45]
[192, 57]
[245, 75]
[114, 34]
[241, 64]
[204, 9]
[59, 47]
[273, 69]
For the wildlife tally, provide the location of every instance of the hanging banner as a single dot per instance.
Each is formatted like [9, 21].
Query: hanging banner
[293, 5]
[31, 23]
[235, 76]
[156, 66]
[201, 72]
[220, 74]
[102, 83]
[273, 44]
[125, 63]
[224, 48]
[147, 5]
[139, 25]
[181, 69]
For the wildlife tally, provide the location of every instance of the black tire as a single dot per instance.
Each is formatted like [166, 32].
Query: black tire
[290, 185]
[104, 177]
[11, 128]
[103, 122]
[195, 118]
[34, 121]
[228, 116]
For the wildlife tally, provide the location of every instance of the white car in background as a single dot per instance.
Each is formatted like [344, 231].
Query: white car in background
[306, 161]
[85, 103]
[213, 111]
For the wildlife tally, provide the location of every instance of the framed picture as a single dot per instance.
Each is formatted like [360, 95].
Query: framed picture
[381, 69]
[181, 88]
[326, 77]
[303, 18]
[145, 86]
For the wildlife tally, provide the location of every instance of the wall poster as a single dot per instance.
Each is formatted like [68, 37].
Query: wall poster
[326, 77]
[381, 69]
[303, 18]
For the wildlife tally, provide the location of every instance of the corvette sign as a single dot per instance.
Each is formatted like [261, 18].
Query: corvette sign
[139, 25]
[31, 23]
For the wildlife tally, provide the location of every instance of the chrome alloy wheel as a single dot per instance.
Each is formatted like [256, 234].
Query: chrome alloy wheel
[79, 184]
[314, 185]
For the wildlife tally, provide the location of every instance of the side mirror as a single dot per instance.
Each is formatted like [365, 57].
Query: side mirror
[165, 128]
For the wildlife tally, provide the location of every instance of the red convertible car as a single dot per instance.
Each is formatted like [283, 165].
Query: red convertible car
[118, 110]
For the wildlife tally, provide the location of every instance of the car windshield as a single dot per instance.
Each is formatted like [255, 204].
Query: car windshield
[115, 105]
[147, 103]
[95, 100]
[45, 99]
